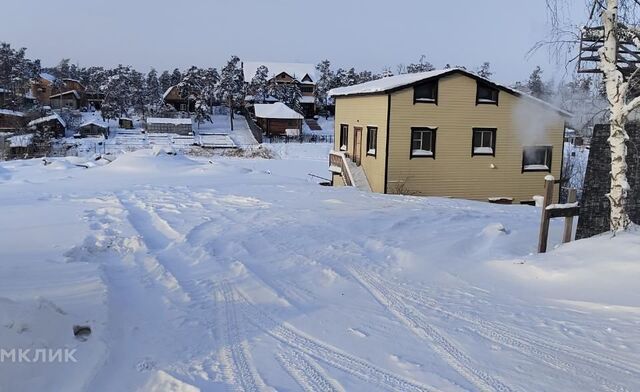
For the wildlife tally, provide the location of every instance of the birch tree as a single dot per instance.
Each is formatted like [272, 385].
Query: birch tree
[619, 23]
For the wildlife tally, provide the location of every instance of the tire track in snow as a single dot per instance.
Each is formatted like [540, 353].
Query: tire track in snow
[357, 367]
[533, 348]
[308, 374]
[236, 356]
[234, 353]
[420, 326]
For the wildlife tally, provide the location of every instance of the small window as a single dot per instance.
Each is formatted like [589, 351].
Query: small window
[484, 141]
[486, 94]
[426, 92]
[344, 137]
[423, 143]
[537, 158]
[183, 107]
[372, 140]
[306, 89]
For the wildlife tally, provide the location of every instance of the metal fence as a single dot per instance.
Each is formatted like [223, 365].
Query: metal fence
[299, 139]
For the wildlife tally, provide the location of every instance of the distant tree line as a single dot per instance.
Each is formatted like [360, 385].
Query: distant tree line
[128, 91]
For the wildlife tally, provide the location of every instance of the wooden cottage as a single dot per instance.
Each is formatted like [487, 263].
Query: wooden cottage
[20, 146]
[304, 75]
[278, 119]
[68, 100]
[11, 120]
[172, 97]
[93, 128]
[446, 133]
[53, 122]
[180, 126]
[125, 123]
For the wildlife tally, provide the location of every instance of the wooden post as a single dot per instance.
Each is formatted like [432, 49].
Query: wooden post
[544, 222]
[568, 221]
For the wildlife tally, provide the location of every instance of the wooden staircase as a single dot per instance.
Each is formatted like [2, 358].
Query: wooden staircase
[352, 174]
[313, 124]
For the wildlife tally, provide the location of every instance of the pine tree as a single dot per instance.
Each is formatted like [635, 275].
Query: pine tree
[190, 87]
[421, 66]
[535, 85]
[485, 70]
[176, 77]
[122, 91]
[136, 91]
[16, 73]
[231, 86]
[210, 80]
[152, 93]
[165, 81]
[323, 85]
[259, 86]
[289, 94]
[202, 112]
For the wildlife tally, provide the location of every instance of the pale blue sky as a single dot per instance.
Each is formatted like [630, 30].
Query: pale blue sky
[368, 34]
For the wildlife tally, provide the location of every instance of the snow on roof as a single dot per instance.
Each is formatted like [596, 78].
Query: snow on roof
[295, 70]
[388, 83]
[174, 121]
[307, 99]
[74, 92]
[41, 120]
[398, 81]
[21, 140]
[8, 112]
[164, 96]
[93, 122]
[47, 76]
[276, 110]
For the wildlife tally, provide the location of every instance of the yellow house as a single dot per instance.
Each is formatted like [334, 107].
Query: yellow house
[445, 133]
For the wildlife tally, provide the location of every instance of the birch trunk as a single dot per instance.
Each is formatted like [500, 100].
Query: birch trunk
[616, 93]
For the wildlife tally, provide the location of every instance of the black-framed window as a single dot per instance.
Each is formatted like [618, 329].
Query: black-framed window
[537, 158]
[423, 143]
[306, 89]
[344, 137]
[484, 141]
[372, 140]
[486, 94]
[426, 92]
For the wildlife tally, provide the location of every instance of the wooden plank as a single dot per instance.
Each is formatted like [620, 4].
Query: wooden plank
[567, 235]
[563, 212]
[544, 221]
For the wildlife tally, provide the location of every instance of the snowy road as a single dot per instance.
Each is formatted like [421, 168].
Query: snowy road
[243, 275]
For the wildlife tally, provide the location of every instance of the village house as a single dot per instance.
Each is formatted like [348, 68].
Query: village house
[286, 73]
[11, 120]
[172, 97]
[179, 126]
[42, 88]
[277, 119]
[19, 146]
[445, 133]
[72, 95]
[92, 128]
[53, 123]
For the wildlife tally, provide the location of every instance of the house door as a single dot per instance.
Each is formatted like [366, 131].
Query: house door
[357, 145]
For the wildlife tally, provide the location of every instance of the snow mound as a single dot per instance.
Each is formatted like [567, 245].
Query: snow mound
[164, 382]
[151, 161]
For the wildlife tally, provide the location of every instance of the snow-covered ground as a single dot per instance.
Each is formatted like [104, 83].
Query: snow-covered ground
[121, 141]
[235, 274]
